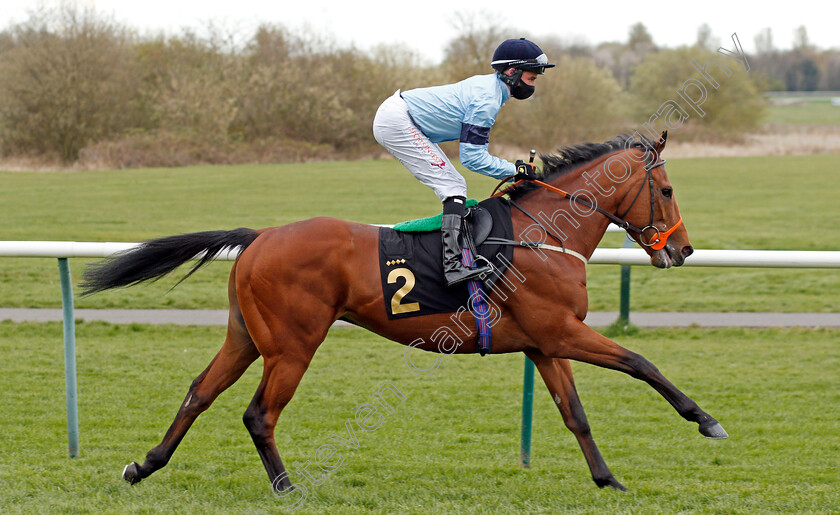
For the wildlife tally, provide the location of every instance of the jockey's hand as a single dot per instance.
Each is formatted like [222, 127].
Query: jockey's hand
[525, 171]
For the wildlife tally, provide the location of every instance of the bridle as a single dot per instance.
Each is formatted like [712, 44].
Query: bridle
[658, 242]
[661, 239]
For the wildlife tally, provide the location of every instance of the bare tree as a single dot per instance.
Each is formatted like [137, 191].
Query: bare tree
[800, 38]
[639, 40]
[471, 52]
[705, 38]
[764, 42]
[72, 84]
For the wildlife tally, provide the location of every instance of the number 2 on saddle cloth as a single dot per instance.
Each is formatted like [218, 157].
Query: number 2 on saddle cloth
[411, 272]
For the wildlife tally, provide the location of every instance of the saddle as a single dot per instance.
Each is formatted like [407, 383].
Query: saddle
[410, 263]
[478, 223]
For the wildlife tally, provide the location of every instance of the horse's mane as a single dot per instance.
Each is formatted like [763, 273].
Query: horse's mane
[571, 157]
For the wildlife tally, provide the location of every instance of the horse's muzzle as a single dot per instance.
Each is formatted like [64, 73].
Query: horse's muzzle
[668, 256]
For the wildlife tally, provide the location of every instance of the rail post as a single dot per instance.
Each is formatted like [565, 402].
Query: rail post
[69, 358]
[624, 298]
[527, 414]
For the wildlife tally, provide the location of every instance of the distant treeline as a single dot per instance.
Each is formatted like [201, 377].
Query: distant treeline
[77, 86]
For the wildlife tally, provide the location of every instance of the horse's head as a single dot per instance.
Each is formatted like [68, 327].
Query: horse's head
[651, 206]
[640, 198]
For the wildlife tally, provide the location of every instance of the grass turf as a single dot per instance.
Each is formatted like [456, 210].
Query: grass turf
[732, 203]
[804, 110]
[451, 446]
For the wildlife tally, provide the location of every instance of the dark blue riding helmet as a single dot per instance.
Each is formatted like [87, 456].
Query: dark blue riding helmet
[520, 54]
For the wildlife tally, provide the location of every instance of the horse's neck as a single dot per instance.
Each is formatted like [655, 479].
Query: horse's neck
[582, 228]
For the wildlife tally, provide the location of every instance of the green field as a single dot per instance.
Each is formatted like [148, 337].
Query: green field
[787, 203]
[451, 447]
[803, 110]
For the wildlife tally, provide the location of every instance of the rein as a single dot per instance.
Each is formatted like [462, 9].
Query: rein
[657, 243]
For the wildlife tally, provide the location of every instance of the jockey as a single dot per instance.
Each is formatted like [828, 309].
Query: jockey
[410, 124]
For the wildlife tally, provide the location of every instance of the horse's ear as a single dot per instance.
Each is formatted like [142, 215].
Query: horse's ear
[659, 146]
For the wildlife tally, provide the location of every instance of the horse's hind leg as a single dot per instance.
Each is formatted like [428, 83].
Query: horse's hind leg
[237, 353]
[281, 376]
[287, 344]
[557, 375]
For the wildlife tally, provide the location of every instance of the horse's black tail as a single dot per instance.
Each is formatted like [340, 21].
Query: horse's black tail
[154, 259]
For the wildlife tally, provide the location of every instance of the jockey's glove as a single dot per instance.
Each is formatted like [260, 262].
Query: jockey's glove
[525, 171]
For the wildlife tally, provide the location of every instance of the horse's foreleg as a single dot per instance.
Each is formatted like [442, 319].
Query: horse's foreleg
[237, 353]
[557, 375]
[587, 345]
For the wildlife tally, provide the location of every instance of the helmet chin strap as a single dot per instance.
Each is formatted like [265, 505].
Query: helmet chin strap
[512, 79]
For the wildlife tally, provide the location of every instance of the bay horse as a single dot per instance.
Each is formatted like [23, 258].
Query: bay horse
[291, 283]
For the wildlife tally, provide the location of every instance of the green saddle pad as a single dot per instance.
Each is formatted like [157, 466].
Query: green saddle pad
[429, 224]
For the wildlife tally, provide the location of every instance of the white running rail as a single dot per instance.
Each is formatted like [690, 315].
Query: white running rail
[602, 256]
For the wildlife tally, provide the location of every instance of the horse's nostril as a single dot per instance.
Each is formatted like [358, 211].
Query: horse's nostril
[687, 251]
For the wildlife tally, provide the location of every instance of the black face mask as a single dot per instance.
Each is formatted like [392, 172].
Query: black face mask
[518, 89]
[521, 91]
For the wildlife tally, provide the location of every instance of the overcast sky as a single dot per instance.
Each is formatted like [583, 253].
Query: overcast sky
[426, 26]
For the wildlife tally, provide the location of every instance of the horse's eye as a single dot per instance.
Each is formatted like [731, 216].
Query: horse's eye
[667, 192]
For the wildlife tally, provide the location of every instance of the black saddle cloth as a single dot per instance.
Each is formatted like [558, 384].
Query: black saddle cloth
[411, 268]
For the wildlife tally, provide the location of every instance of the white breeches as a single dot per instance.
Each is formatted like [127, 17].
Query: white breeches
[394, 130]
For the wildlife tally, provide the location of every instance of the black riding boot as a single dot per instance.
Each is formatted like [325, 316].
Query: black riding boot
[454, 270]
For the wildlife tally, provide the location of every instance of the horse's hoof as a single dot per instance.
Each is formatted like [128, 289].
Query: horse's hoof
[713, 430]
[282, 484]
[131, 474]
[611, 482]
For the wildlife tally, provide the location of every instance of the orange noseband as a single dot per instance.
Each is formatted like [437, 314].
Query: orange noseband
[662, 237]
